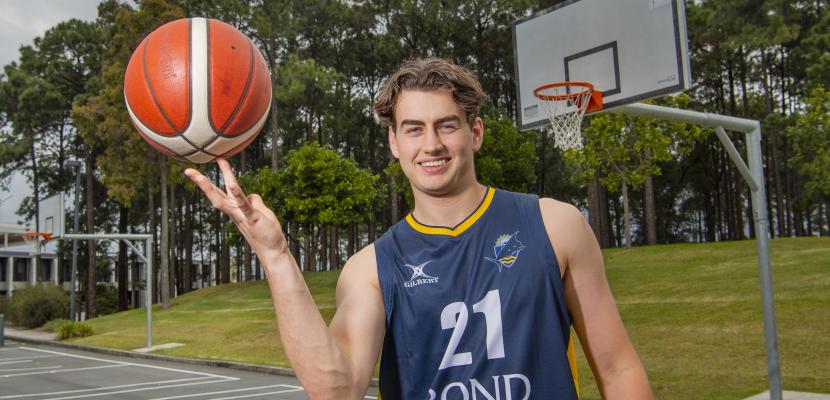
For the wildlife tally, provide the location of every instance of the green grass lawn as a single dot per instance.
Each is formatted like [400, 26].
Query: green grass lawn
[693, 312]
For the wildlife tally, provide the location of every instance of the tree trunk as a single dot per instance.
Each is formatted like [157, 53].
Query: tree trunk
[295, 243]
[225, 255]
[371, 230]
[350, 246]
[334, 259]
[187, 271]
[122, 260]
[165, 234]
[246, 253]
[597, 213]
[174, 242]
[151, 208]
[275, 133]
[324, 264]
[307, 250]
[91, 303]
[650, 213]
[627, 216]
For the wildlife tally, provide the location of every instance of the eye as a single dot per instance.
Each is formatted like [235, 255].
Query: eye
[414, 130]
[448, 127]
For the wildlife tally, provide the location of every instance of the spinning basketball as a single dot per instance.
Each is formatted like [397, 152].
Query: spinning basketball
[197, 89]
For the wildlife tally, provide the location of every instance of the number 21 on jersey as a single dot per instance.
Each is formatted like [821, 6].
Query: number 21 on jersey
[456, 315]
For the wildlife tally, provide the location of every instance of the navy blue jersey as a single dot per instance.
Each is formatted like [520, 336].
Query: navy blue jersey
[476, 311]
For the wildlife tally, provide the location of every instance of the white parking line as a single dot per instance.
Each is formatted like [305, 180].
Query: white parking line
[24, 358]
[14, 362]
[221, 392]
[142, 389]
[18, 396]
[60, 371]
[258, 394]
[29, 369]
[184, 371]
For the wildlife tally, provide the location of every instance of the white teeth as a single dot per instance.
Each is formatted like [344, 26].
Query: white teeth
[433, 163]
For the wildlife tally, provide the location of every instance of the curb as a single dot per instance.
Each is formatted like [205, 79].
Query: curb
[192, 361]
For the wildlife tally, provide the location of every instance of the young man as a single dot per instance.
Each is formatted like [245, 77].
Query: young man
[473, 295]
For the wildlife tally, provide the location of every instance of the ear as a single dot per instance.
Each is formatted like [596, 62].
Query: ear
[393, 142]
[478, 133]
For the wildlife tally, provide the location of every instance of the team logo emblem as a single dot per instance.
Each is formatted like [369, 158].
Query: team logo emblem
[507, 250]
[419, 277]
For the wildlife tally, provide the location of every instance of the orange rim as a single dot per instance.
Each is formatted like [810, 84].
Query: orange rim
[594, 100]
[34, 235]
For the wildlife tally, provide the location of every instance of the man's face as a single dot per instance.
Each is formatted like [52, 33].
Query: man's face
[434, 142]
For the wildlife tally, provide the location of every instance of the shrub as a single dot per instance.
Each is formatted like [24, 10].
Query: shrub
[33, 306]
[69, 329]
[55, 324]
[106, 299]
[4, 306]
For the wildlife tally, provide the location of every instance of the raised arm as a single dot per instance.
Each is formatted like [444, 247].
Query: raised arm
[616, 366]
[334, 364]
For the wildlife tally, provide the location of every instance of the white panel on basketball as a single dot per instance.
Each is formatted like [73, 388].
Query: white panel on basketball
[173, 143]
[630, 49]
[199, 132]
[223, 145]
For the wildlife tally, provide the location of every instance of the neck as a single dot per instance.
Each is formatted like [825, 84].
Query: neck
[450, 210]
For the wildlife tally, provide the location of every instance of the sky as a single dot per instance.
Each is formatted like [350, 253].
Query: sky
[21, 21]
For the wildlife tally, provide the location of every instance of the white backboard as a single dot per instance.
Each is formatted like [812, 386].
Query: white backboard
[52, 214]
[631, 50]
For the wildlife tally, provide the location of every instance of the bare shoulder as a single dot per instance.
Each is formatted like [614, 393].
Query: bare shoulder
[561, 219]
[566, 228]
[361, 268]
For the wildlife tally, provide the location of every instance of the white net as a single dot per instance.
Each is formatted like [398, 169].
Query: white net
[565, 106]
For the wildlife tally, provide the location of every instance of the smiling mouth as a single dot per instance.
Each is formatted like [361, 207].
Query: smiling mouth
[433, 163]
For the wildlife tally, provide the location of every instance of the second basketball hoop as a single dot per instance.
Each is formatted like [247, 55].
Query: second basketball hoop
[565, 103]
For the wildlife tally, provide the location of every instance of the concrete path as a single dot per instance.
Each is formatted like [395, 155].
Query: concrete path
[789, 395]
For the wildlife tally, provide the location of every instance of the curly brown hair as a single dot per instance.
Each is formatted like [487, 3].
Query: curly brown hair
[430, 74]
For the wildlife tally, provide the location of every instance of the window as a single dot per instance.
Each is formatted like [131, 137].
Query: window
[3, 262]
[45, 270]
[21, 270]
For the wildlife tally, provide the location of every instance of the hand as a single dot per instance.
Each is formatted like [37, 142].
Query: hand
[255, 221]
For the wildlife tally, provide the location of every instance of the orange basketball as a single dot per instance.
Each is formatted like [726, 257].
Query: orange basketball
[197, 89]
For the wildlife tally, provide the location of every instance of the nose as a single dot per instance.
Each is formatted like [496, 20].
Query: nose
[432, 141]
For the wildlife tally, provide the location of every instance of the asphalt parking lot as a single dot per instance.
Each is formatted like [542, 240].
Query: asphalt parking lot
[39, 372]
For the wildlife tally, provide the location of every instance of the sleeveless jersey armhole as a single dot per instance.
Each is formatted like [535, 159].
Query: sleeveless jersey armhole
[534, 218]
[385, 275]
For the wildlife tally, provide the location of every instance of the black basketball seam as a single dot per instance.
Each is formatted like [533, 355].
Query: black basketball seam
[209, 142]
[143, 135]
[153, 93]
[245, 91]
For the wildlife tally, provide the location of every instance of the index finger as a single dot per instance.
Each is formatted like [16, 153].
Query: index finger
[213, 193]
[232, 187]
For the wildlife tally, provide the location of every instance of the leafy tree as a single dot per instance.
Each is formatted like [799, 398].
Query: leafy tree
[811, 144]
[316, 189]
[626, 151]
[817, 49]
[507, 159]
[104, 124]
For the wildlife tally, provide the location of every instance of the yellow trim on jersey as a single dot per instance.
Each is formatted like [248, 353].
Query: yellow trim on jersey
[572, 362]
[433, 230]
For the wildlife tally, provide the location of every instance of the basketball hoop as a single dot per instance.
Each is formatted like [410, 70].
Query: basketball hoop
[565, 103]
[32, 239]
